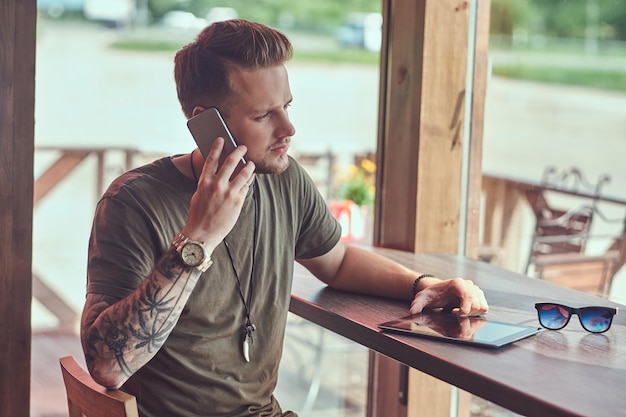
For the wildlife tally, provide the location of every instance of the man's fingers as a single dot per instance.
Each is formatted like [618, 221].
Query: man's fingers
[461, 297]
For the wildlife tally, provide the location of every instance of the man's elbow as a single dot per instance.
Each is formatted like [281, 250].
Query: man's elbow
[104, 375]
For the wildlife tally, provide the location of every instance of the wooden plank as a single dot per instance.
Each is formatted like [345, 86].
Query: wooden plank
[384, 388]
[17, 104]
[420, 155]
[60, 169]
[68, 318]
[439, 160]
[422, 119]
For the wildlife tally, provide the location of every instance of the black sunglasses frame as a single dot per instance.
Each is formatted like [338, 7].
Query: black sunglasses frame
[572, 310]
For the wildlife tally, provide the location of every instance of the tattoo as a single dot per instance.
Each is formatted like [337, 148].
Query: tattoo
[154, 311]
[142, 320]
[115, 339]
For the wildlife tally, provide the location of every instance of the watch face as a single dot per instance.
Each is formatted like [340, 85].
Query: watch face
[192, 254]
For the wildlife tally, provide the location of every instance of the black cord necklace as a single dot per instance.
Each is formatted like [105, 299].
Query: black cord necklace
[248, 327]
[193, 169]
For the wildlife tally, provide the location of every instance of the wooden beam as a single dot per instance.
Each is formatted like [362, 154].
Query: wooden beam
[60, 169]
[17, 109]
[420, 148]
[57, 306]
[420, 155]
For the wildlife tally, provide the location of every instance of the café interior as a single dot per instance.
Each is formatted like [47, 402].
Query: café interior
[436, 193]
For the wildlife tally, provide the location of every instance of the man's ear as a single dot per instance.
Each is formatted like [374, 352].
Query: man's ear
[197, 110]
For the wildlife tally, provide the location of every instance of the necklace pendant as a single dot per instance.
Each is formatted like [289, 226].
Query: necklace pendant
[247, 340]
[246, 349]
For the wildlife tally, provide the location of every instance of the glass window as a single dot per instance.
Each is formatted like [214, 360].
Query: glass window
[106, 102]
[555, 119]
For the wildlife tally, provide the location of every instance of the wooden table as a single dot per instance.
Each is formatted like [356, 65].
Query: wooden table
[556, 373]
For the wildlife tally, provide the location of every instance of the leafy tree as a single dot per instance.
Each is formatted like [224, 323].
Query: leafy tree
[300, 14]
[559, 18]
[509, 15]
[613, 16]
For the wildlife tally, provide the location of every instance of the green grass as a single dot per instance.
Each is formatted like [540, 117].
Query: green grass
[340, 55]
[152, 45]
[610, 79]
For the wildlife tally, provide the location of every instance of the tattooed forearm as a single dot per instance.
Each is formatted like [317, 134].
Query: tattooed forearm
[120, 336]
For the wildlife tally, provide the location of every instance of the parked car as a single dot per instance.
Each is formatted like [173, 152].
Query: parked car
[362, 30]
[111, 12]
[219, 14]
[57, 8]
[180, 20]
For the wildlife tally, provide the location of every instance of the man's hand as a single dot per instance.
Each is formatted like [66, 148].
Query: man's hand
[460, 296]
[217, 203]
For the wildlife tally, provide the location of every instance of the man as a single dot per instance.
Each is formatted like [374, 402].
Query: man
[190, 270]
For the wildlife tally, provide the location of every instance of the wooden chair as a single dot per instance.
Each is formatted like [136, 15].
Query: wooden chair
[558, 251]
[559, 243]
[321, 168]
[86, 398]
[558, 232]
[564, 230]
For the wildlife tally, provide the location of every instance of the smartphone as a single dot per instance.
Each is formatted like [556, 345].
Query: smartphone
[208, 126]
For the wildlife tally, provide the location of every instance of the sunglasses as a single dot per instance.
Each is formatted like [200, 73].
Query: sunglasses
[593, 319]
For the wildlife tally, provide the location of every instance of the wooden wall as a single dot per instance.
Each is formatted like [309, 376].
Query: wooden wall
[17, 109]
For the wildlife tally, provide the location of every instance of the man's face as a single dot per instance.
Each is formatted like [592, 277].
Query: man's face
[258, 117]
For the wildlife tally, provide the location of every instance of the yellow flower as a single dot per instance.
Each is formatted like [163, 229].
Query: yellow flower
[358, 183]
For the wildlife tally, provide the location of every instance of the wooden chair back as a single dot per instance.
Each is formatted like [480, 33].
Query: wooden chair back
[559, 231]
[559, 243]
[86, 398]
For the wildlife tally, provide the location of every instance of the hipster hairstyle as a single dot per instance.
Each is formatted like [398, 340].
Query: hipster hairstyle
[202, 68]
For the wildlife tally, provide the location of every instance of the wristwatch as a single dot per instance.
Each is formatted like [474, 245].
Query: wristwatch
[192, 253]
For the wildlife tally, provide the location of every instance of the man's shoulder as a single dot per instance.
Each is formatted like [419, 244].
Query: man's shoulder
[156, 174]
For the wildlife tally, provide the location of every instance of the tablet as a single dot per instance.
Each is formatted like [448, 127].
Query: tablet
[476, 331]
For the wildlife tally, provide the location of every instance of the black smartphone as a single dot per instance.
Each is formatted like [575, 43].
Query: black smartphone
[208, 126]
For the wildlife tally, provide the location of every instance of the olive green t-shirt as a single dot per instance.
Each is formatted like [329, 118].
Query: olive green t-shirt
[200, 370]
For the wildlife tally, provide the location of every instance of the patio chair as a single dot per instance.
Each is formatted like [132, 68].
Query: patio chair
[559, 254]
[559, 245]
[86, 398]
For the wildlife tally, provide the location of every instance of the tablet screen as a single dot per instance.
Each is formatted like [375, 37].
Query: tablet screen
[478, 331]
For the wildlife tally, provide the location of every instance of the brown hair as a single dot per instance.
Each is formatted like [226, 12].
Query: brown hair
[201, 68]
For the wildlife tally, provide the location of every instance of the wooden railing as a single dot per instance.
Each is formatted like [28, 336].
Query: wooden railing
[65, 161]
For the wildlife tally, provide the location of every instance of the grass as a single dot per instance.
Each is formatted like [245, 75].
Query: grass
[155, 45]
[609, 79]
[339, 55]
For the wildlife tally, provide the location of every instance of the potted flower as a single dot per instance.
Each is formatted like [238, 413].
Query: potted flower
[355, 198]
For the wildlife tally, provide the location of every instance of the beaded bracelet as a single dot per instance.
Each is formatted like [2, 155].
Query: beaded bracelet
[417, 281]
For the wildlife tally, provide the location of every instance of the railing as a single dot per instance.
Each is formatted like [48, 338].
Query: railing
[64, 162]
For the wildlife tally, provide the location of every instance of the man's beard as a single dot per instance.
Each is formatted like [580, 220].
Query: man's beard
[273, 166]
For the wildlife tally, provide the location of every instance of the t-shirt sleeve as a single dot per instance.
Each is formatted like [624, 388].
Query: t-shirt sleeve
[121, 249]
[319, 230]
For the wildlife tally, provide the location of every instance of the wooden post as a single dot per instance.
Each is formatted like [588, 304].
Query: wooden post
[420, 160]
[17, 110]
